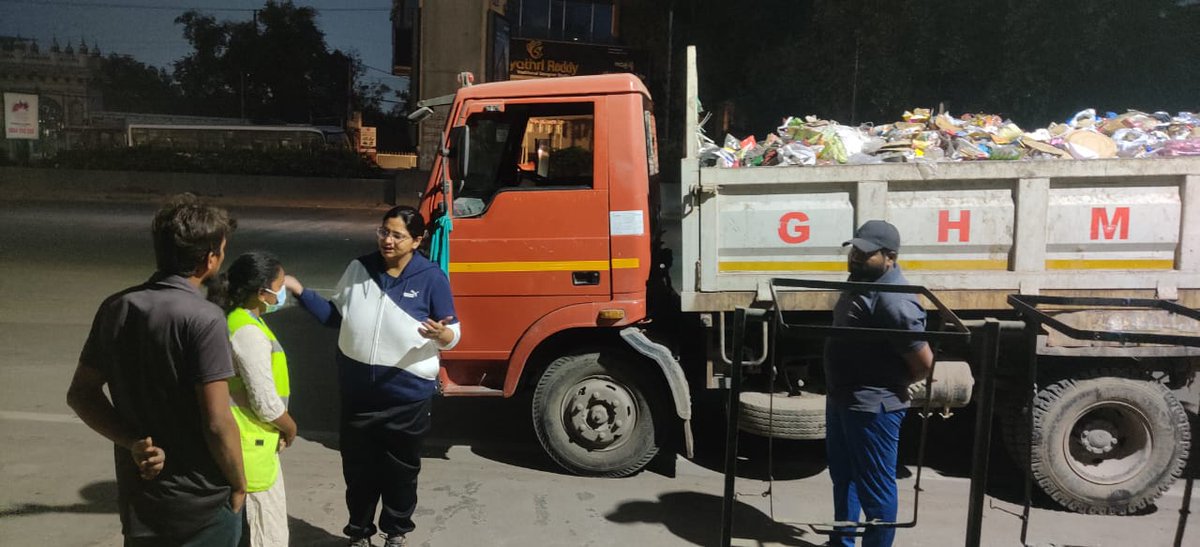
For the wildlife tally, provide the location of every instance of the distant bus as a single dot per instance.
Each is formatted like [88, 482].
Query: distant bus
[234, 137]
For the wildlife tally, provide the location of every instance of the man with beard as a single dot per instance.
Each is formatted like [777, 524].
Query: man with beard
[868, 384]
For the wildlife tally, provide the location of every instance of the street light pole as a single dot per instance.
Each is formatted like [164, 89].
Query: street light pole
[242, 95]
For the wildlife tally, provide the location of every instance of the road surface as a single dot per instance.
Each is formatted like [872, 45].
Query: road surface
[485, 480]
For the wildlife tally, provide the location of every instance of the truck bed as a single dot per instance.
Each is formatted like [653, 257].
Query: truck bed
[972, 231]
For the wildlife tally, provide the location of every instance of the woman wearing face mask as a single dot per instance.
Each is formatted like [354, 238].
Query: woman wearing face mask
[251, 288]
[394, 312]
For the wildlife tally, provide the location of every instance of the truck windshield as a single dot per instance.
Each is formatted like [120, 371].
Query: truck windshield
[528, 147]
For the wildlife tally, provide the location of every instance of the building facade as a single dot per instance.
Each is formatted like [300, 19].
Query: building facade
[497, 40]
[64, 80]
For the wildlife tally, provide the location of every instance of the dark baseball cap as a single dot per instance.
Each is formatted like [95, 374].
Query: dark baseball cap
[874, 235]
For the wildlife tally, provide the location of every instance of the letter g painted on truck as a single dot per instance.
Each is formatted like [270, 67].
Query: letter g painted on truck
[793, 227]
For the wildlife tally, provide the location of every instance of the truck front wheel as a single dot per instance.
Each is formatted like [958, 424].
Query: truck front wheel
[1107, 444]
[592, 414]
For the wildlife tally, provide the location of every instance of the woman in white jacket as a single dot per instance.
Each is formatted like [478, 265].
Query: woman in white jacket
[394, 312]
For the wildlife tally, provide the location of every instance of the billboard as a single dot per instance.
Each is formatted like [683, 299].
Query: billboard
[20, 116]
[532, 58]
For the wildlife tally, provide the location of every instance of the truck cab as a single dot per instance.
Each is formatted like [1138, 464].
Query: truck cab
[545, 190]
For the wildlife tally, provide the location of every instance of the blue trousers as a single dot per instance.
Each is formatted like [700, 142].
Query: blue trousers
[861, 451]
[225, 530]
[381, 459]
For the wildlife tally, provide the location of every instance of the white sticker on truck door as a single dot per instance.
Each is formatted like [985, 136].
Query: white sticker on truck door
[626, 223]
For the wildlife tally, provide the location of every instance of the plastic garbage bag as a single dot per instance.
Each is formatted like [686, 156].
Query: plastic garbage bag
[835, 149]
[1083, 119]
[963, 149]
[1040, 135]
[1006, 152]
[1132, 143]
[1189, 118]
[852, 139]
[1190, 147]
[727, 159]
[794, 153]
[926, 140]
[863, 158]
[708, 154]
[1007, 133]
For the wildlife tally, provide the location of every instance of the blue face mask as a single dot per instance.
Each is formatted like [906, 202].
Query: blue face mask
[280, 300]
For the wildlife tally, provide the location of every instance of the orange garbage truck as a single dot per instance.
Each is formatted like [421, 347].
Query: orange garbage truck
[603, 292]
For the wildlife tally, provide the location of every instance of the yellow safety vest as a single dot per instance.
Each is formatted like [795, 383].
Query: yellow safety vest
[260, 439]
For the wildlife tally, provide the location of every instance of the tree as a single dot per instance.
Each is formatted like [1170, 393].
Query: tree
[274, 68]
[201, 75]
[132, 86]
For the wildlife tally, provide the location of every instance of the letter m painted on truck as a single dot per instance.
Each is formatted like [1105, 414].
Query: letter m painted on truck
[1102, 224]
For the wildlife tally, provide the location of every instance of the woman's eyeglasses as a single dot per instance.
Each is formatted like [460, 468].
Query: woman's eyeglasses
[384, 233]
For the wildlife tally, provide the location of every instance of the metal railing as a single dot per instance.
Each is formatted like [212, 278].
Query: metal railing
[983, 339]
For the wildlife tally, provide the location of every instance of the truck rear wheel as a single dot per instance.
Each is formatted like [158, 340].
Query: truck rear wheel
[1108, 444]
[592, 414]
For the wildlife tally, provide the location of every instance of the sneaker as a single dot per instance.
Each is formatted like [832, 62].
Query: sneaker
[360, 542]
[395, 541]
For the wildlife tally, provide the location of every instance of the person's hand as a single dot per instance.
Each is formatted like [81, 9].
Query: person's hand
[286, 438]
[149, 459]
[436, 330]
[237, 500]
[293, 285]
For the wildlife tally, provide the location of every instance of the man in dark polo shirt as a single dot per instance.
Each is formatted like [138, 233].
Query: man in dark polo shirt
[868, 385]
[163, 351]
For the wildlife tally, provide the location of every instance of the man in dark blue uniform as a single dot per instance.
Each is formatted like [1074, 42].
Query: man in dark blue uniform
[868, 385]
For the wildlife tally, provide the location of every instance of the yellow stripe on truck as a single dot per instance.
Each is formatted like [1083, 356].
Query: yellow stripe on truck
[544, 266]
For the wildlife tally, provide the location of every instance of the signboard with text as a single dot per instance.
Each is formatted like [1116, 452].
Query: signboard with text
[366, 138]
[530, 58]
[20, 116]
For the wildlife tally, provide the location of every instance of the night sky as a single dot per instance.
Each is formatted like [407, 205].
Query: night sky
[146, 29]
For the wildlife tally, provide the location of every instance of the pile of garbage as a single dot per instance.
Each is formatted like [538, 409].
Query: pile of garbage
[923, 136]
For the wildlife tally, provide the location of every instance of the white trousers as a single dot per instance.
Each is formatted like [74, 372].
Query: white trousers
[266, 514]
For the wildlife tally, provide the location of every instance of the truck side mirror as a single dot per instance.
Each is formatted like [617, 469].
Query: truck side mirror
[460, 139]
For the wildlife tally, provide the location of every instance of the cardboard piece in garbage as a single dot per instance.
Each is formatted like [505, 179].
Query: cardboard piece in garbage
[1045, 148]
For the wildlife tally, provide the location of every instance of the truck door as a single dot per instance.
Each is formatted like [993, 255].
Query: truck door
[531, 230]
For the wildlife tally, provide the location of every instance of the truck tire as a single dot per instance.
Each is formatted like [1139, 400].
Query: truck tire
[593, 415]
[798, 418]
[1014, 429]
[1109, 443]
